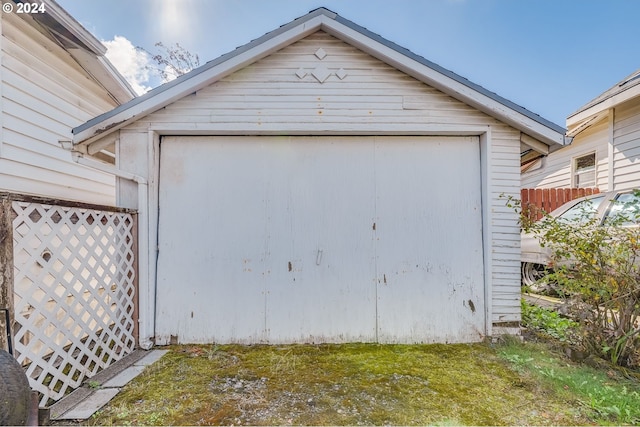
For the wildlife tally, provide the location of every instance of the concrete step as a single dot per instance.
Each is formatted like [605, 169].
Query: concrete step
[82, 403]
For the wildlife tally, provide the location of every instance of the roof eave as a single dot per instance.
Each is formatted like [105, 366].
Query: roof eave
[452, 84]
[446, 81]
[103, 71]
[195, 80]
[87, 50]
[388, 52]
[604, 105]
[85, 38]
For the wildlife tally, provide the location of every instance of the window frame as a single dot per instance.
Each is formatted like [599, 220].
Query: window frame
[575, 172]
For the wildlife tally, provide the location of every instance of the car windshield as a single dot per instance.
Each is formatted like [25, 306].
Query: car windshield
[624, 210]
[582, 211]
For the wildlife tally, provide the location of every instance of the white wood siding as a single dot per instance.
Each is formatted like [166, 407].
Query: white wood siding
[624, 166]
[374, 98]
[268, 96]
[626, 157]
[45, 93]
[556, 167]
[505, 242]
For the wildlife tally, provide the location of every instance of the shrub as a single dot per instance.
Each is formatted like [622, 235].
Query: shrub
[598, 266]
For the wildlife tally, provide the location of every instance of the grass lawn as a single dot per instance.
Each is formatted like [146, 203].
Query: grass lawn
[368, 384]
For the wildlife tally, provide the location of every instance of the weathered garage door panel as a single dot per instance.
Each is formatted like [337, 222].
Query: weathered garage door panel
[320, 212]
[199, 192]
[320, 239]
[429, 235]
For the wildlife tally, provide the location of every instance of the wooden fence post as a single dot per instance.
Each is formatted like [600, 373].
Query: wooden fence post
[6, 272]
[136, 281]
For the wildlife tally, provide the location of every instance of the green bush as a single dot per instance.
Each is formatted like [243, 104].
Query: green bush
[598, 266]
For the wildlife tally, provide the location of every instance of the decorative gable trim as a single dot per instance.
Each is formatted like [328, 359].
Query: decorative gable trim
[361, 38]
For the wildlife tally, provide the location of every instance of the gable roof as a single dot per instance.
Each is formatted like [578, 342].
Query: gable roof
[56, 24]
[596, 109]
[365, 40]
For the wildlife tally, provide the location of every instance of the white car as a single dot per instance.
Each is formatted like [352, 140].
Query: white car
[535, 258]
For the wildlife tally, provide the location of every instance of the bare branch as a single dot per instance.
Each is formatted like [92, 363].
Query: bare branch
[171, 61]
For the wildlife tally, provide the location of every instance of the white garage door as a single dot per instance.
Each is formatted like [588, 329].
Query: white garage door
[320, 239]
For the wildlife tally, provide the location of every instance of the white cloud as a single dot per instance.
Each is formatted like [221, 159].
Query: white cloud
[132, 63]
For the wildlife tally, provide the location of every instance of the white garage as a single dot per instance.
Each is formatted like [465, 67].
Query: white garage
[322, 184]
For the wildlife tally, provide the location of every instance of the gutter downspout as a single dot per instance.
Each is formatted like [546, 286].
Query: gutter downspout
[146, 299]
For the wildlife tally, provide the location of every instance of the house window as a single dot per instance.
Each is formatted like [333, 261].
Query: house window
[584, 171]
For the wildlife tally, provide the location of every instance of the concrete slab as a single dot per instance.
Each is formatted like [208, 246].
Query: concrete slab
[91, 404]
[119, 366]
[58, 409]
[152, 357]
[84, 402]
[124, 377]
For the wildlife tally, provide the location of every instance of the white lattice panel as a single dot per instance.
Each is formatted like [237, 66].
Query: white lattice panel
[74, 293]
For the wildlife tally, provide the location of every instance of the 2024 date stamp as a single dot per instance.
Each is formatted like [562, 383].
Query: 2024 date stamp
[28, 8]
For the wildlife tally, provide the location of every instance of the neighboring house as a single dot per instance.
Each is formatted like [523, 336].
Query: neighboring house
[54, 77]
[605, 151]
[322, 184]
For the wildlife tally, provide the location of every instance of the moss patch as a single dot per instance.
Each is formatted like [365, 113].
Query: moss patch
[351, 384]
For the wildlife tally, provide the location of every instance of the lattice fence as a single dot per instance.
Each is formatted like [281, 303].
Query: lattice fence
[75, 293]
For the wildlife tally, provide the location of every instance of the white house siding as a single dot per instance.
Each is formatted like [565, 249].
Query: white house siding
[626, 155]
[268, 97]
[505, 242]
[45, 93]
[556, 167]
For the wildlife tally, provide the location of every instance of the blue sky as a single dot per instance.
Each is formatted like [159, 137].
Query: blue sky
[550, 56]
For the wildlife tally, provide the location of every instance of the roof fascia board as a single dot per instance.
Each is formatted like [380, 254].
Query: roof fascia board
[605, 105]
[122, 87]
[74, 27]
[575, 128]
[315, 129]
[104, 74]
[87, 50]
[442, 80]
[196, 80]
[534, 144]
